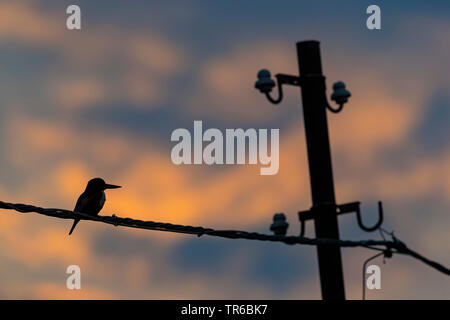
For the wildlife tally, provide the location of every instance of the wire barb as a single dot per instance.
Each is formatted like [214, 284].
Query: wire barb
[379, 245]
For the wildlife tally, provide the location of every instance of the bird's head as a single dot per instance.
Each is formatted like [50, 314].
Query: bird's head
[98, 184]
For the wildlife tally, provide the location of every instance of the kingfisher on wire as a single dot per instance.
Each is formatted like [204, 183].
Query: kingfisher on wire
[91, 201]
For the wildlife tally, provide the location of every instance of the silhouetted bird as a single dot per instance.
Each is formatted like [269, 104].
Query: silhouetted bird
[91, 201]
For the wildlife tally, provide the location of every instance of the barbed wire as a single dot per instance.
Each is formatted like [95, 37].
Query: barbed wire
[389, 247]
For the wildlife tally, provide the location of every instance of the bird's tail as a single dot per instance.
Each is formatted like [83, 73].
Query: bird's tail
[74, 225]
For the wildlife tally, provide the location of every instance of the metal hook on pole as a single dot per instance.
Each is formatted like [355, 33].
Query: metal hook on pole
[377, 225]
[280, 93]
[341, 209]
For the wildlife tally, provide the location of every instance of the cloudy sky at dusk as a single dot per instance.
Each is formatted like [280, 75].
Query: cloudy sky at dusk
[104, 101]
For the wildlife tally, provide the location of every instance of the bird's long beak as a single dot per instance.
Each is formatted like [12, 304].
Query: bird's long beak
[111, 186]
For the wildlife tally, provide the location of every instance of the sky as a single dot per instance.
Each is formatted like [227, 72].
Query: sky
[103, 101]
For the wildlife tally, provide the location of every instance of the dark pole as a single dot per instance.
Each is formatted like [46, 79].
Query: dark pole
[320, 170]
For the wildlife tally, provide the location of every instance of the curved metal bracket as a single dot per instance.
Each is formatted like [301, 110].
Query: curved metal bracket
[340, 209]
[377, 225]
[302, 228]
[280, 95]
[337, 110]
[283, 79]
[303, 216]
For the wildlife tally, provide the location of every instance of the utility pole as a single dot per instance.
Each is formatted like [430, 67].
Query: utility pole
[324, 211]
[320, 169]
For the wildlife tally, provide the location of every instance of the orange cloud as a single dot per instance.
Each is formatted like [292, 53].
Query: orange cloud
[44, 291]
[225, 88]
[376, 117]
[22, 21]
[77, 93]
[151, 59]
